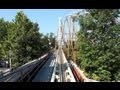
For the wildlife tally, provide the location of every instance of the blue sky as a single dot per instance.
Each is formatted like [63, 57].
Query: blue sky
[46, 18]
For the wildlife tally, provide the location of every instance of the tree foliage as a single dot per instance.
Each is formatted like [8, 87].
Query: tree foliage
[98, 44]
[21, 40]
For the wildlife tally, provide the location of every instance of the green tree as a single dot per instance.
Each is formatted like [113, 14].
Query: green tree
[21, 40]
[98, 43]
[3, 35]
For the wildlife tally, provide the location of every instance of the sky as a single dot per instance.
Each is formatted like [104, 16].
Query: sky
[46, 18]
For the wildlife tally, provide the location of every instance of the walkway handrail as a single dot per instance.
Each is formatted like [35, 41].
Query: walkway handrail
[17, 73]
